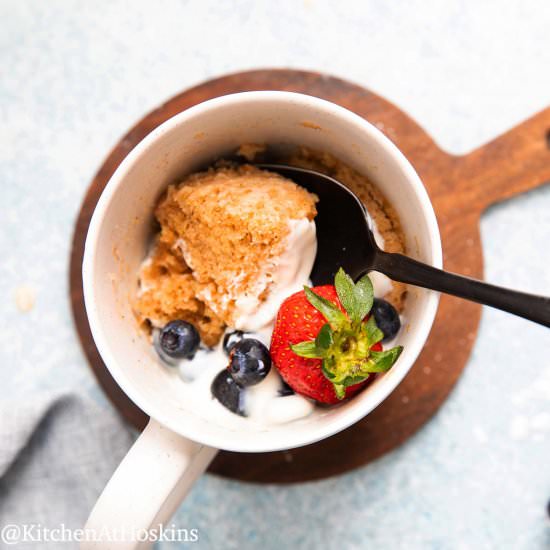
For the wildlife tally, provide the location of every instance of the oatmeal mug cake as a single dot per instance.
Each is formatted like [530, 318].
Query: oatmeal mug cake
[222, 290]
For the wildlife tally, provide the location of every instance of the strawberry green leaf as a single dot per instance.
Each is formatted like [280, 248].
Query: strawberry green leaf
[341, 385]
[329, 311]
[357, 299]
[340, 391]
[307, 349]
[364, 296]
[352, 380]
[324, 339]
[384, 360]
[345, 288]
[327, 367]
[374, 334]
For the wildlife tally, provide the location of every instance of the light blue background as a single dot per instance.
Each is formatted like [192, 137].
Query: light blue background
[76, 75]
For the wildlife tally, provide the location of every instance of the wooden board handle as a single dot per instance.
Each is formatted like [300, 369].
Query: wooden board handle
[513, 163]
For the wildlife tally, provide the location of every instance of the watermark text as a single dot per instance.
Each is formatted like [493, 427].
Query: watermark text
[13, 533]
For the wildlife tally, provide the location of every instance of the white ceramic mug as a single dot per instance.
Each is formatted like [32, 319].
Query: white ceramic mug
[178, 444]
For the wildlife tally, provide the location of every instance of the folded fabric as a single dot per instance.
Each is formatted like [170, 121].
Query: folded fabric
[56, 455]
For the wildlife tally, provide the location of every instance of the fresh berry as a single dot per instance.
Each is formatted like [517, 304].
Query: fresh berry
[156, 344]
[249, 362]
[285, 390]
[230, 339]
[387, 318]
[179, 340]
[228, 392]
[325, 344]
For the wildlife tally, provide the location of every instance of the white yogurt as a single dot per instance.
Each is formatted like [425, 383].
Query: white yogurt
[266, 406]
[192, 369]
[382, 284]
[263, 404]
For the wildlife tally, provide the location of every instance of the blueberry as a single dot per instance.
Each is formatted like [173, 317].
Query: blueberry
[179, 340]
[228, 392]
[249, 362]
[386, 318]
[156, 344]
[231, 338]
[285, 390]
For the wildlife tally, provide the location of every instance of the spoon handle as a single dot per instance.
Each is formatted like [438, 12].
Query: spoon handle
[406, 270]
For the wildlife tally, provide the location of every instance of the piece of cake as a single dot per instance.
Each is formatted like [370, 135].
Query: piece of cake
[234, 242]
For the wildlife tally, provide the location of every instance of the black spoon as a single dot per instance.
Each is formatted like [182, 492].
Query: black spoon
[345, 239]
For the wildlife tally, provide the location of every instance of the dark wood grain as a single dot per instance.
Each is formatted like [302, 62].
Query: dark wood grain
[460, 188]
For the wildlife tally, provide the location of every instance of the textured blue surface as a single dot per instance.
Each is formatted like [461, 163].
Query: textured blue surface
[76, 75]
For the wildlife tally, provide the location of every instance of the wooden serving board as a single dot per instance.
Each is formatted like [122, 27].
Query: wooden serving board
[461, 188]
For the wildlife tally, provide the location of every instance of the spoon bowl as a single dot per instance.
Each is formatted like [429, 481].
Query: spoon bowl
[345, 239]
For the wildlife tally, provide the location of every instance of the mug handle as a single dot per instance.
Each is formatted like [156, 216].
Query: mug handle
[146, 489]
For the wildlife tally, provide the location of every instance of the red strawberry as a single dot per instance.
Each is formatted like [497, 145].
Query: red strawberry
[325, 345]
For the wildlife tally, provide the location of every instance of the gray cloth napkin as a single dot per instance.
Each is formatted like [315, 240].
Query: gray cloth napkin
[56, 454]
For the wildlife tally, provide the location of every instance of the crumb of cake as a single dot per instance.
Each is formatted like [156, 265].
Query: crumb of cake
[219, 230]
[25, 298]
[251, 151]
[311, 125]
[381, 211]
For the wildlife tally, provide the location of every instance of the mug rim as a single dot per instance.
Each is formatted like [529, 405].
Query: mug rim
[354, 413]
